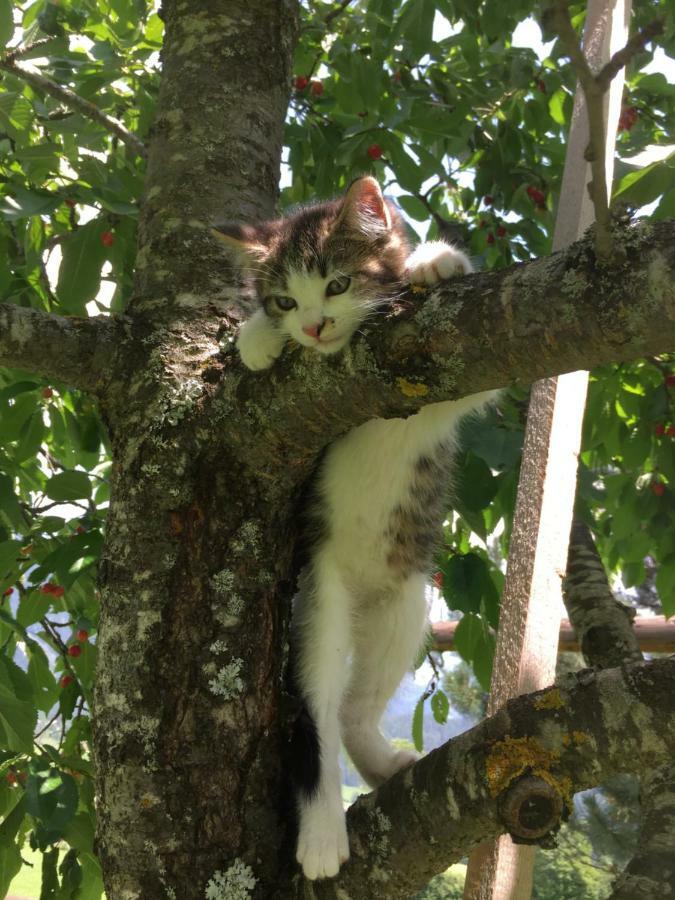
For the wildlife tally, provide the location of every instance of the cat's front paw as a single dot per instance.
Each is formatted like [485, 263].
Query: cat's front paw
[322, 843]
[259, 344]
[436, 261]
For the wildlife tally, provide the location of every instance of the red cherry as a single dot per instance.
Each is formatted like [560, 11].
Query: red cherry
[374, 151]
[69, 202]
[438, 580]
[11, 778]
[362, 114]
[490, 238]
[74, 650]
[300, 83]
[396, 77]
[488, 200]
[482, 224]
[107, 238]
[537, 196]
[501, 231]
[628, 118]
[659, 429]
[657, 488]
[670, 431]
[80, 529]
[47, 393]
[82, 635]
[23, 777]
[316, 88]
[541, 86]
[670, 380]
[65, 680]
[8, 592]
[57, 590]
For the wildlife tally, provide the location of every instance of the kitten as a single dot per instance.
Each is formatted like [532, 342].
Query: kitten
[378, 497]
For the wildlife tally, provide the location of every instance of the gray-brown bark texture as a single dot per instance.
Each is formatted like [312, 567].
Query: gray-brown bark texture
[603, 626]
[191, 713]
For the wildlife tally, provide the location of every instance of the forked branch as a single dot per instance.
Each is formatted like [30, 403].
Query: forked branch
[594, 88]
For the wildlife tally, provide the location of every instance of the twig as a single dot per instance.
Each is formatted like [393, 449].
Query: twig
[622, 57]
[19, 52]
[594, 88]
[336, 12]
[74, 101]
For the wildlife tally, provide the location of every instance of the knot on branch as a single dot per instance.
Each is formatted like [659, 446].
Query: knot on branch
[532, 810]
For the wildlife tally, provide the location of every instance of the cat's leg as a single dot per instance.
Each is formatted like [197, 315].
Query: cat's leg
[259, 341]
[386, 639]
[322, 626]
[434, 261]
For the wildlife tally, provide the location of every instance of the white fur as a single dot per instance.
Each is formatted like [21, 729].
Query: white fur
[359, 622]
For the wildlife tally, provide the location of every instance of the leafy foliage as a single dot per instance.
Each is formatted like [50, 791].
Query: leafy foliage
[467, 130]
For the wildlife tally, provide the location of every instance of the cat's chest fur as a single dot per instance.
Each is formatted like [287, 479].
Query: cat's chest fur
[381, 493]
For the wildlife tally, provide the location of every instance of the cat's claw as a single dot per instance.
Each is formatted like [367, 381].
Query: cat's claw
[322, 845]
[436, 261]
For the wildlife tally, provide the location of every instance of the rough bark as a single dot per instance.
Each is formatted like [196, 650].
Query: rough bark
[75, 350]
[197, 569]
[574, 735]
[607, 638]
[188, 712]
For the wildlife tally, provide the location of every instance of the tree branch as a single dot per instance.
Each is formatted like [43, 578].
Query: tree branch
[73, 100]
[607, 638]
[431, 815]
[622, 57]
[484, 331]
[594, 88]
[78, 351]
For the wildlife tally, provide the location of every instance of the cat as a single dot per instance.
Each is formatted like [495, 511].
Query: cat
[377, 502]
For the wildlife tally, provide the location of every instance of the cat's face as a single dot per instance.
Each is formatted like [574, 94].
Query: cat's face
[322, 271]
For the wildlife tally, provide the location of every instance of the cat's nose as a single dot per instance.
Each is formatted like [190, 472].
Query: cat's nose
[314, 330]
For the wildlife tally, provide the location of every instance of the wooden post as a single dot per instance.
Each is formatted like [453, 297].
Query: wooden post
[527, 641]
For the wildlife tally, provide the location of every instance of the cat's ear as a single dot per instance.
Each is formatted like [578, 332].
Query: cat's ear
[364, 209]
[244, 240]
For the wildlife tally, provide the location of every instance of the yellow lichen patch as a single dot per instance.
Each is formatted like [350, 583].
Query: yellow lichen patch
[418, 288]
[410, 389]
[577, 737]
[550, 700]
[512, 757]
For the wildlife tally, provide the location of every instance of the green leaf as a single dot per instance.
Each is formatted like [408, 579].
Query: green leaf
[418, 725]
[80, 271]
[17, 720]
[468, 635]
[9, 557]
[69, 486]
[10, 856]
[23, 204]
[440, 706]
[50, 880]
[53, 801]
[10, 510]
[6, 22]
[665, 585]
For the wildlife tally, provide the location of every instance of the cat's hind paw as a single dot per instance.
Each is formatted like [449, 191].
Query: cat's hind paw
[435, 261]
[322, 845]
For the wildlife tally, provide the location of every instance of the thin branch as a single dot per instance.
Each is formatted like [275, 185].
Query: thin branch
[559, 17]
[78, 351]
[74, 101]
[622, 57]
[23, 51]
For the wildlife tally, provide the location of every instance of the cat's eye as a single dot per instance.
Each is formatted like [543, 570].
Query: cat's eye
[285, 303]
[338, 285]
